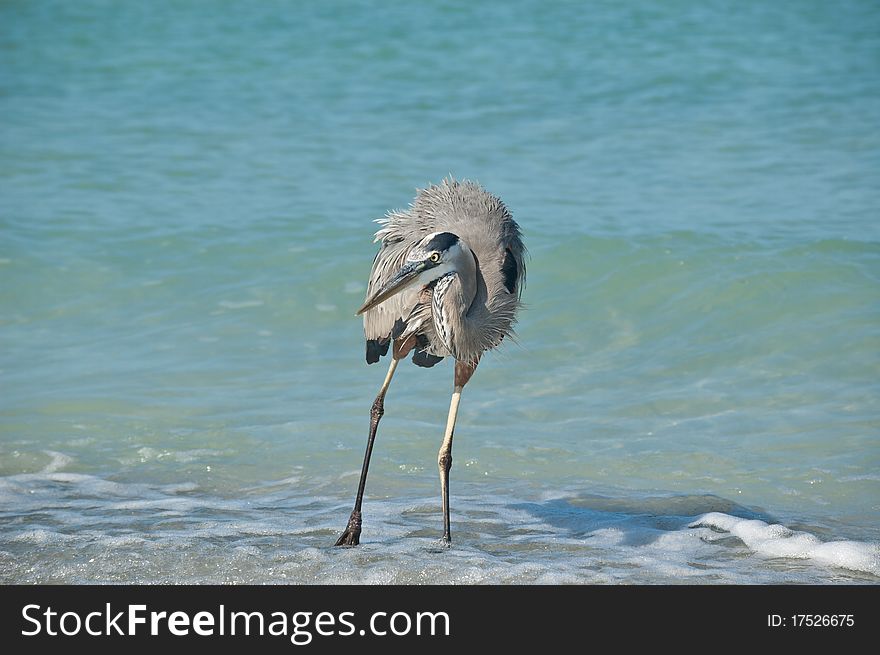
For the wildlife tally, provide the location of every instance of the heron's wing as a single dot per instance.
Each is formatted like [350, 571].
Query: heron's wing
[400, 231]
[379, 321]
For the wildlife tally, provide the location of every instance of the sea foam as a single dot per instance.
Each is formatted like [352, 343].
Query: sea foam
[774, 540]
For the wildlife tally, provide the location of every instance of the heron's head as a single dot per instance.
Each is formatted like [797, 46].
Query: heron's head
[431, 258]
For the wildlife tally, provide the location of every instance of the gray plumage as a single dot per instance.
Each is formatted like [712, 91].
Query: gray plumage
[469, 309]
[445, 282]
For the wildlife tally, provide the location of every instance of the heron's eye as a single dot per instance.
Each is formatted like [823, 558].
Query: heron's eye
[435, 257]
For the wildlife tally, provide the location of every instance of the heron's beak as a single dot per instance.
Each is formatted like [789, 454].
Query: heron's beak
[402, 279]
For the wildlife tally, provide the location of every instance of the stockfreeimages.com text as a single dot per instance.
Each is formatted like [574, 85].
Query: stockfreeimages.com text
[301, 627]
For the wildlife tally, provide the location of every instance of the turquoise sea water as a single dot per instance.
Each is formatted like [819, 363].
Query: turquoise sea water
[186, 192]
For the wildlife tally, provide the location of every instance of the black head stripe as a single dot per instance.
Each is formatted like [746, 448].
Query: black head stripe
[442, 241]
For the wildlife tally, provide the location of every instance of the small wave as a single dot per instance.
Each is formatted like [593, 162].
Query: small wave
[41, 537]
[774, 540]
[58, 461]
[90, 529]
[239, 304]
[146, 454]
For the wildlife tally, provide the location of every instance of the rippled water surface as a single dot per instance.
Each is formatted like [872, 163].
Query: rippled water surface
[185, 235]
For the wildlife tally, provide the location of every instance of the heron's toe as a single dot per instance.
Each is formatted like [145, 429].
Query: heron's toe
[348, 539]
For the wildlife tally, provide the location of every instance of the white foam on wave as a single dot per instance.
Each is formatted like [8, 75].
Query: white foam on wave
[57, 462]
[41, 537]
[774, 540]
[146, 454]
[168, 504]
[76, 528]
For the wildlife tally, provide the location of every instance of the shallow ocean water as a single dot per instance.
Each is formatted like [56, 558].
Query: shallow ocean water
[185, 235]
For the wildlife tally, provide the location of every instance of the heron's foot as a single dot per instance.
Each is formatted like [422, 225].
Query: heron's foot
[440, 546]
[352, 534]
[348, 539]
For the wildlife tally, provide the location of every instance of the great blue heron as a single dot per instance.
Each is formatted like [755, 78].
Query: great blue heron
[446, 282]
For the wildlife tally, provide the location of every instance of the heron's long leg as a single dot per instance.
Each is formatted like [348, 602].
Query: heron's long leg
[444, 460]
[463, 373]
[352, 534]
